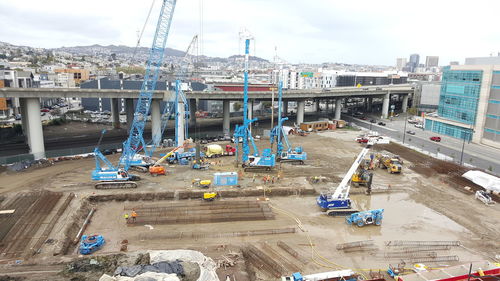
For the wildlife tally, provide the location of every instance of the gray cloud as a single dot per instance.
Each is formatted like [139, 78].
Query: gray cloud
[362, 31]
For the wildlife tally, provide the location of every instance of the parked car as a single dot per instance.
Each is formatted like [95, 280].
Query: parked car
[410, 132]
[361, 139]
[373, 121]
[363, 118]
[381, 123]
[44, 110]
[418, 125]
[436, 139]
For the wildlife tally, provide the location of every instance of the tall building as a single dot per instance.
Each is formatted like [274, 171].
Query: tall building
[414, 62]
[401, 63]
[469, 104]
[431, 61]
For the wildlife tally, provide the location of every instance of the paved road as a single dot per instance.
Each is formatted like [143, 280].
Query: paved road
[480, 156]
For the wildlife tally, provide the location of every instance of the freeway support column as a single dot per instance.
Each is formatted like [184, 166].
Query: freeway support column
[338, 108]
[285, 108]
[155, 121]
[369, 104]
[34, 125]
[301, 104]
[404, 107]
[115, 113]
[180, 137]
[24, 120]
[385, 105]
[129, 110]
[226, 122]
[193, 107]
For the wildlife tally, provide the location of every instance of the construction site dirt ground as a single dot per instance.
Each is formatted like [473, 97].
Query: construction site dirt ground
[417, 207]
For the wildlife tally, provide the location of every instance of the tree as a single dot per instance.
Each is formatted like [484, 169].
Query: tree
[412, 111]
[236, 106]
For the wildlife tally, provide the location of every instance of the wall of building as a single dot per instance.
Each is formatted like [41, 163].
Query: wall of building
[492, 119]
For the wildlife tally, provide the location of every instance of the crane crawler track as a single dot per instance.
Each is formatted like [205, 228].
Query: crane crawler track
[115, 185]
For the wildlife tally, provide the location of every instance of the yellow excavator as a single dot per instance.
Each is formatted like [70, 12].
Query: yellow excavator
[157, 169]
[391, 163]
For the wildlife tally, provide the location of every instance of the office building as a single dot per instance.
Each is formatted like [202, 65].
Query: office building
[431, 61]
[401, 63]
[414, 62]
[469, 104]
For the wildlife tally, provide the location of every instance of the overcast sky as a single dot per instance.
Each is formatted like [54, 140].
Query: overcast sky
[315, 31]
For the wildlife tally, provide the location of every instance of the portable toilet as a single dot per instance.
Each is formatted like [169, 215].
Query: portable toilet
[226, 178]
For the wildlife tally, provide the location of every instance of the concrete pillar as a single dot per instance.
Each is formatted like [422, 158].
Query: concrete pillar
[193, 107]
[250, 109]
[385, 105]
[34, 122]
[180, 125]
[301, 104]
[24, 120]
[115, 113]
[155, 121]
[316, 106]
[369, 104]
[338, 108]
[129, 111]
[405, 103]
[226, 122]
[285, 107]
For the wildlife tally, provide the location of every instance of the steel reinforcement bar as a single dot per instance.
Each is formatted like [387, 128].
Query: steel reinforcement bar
[356, 244]
[422, 243]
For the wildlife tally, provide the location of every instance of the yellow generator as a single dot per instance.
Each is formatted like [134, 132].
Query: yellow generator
[209, 196]
[392, 164]
[201, 183]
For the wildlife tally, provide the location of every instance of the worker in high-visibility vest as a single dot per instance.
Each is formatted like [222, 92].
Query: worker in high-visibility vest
[126, 218]
[134, 216]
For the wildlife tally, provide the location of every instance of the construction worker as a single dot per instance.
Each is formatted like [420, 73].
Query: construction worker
[126, 218]
[134, 216]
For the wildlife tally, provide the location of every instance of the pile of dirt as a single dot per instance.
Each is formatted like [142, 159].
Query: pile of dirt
[428, 166]
[92, 268]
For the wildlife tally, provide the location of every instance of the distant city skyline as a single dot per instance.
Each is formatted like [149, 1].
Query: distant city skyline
[313, 31]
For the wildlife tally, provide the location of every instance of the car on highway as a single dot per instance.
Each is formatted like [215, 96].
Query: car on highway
[363, 118]
[44, 110]
[381, 123]
[436, 139]
[373, 121]
[410, 132]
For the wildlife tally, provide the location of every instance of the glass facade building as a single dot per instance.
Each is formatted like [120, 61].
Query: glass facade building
[492, 121]
[458, 101]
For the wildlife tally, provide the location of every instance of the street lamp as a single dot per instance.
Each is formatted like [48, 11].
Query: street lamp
[463, 144]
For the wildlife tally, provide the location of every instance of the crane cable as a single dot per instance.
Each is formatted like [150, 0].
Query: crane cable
[142, 31]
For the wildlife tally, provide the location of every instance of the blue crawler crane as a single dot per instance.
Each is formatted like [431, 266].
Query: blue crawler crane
[91, 243]
[112, 176]
[256, 161]
[366, 217]
[279, 136]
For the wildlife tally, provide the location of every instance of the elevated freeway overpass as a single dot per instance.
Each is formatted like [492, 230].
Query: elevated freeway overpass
[29, 103]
